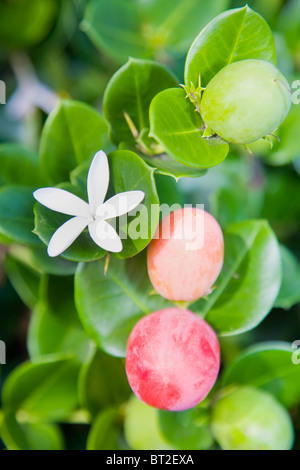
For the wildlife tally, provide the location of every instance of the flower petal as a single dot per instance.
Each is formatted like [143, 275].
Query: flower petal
[62, 201]
[120, 204]
[66, 234]
[98, 179]
[105, 236]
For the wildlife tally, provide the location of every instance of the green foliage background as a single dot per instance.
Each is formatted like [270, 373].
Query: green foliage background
[64, 384]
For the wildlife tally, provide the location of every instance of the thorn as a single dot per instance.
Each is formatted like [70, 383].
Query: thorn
[275, 137]
[131, 125]
[106, 264]
[248, 150]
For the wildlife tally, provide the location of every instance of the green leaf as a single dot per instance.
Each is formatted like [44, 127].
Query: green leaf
[288, 23]
[105, 431]
[168, 191]
[128, 172]
[30, 436]
[25, 281]
[177, 22]
[268, 366]
[16, 214]
[131, 90]
[234, 35]
[165, 165]
[102, 382]
[57, 293]
[249, 281]
[24, 24]
[187, 429]
[236, 191]
[37, 259]
[179, 130]
[54, 325]
[145, 29]
[73, 133]
[50, 334]
[110, 305]
[44, 390]
[279, 207]
[289, 293]
[19, 166]
[139, 436]
[114, 27]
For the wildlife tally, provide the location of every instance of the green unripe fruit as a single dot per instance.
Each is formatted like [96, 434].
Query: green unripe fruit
[250, 419]
[246, 101]
[141, 427]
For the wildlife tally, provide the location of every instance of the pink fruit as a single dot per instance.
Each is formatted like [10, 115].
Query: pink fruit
[185, 267]
[172, 359]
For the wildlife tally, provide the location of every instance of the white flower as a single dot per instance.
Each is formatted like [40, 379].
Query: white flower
[94, 214]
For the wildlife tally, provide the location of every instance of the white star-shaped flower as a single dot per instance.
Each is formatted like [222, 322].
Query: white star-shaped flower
[93, 214]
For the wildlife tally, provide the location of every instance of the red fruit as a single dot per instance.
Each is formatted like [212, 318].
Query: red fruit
[186, 259]
[172, 359]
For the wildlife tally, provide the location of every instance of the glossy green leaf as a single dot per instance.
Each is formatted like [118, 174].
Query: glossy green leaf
[25, 23]
[187, 429]
[288, 23]
[289, 293]
[179, 130]
[114, 27]
[44, 390]
[105, 431]
[279, 207]
[50, 334]
[236, 191]
[110, 305]
[19, 166]
[38, 259]
[165, 165]
[130, 90]
[128, 172]
[168, 190]
[57, 293]
[177, 22]
[249, 281]
[139, 436]
[73, 133]
[16, 214]
[30, 436]
[234, 35]
[54, 325]
[268, 366]
[25, 281]
[145, 29]
[102, 382]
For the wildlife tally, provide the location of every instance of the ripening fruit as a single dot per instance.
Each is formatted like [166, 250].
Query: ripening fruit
[250, 419]
[138, 435]
[186, 259]
[246, 101]
[172, 359]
